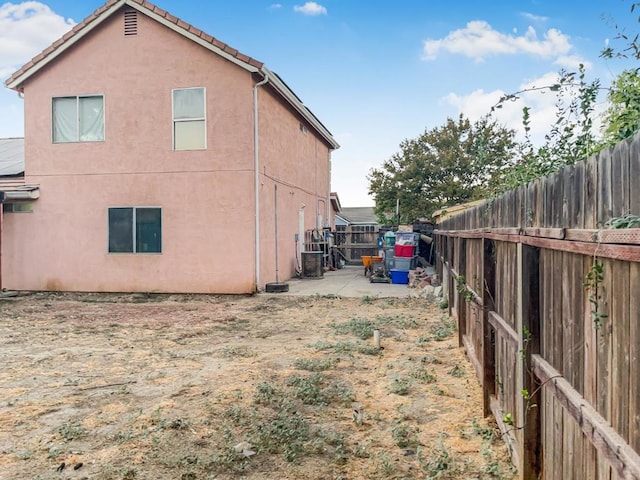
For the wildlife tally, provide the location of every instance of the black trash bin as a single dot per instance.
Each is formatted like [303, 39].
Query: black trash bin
[312, 265]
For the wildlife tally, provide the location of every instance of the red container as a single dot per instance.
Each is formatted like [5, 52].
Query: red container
[404, 250]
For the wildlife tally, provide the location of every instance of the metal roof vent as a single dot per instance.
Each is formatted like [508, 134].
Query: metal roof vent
[130, 23]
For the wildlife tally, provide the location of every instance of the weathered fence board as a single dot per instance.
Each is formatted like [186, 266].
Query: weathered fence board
[539, 331]
[590, 343]
[576, 288]
[634, 356]
[620, 368]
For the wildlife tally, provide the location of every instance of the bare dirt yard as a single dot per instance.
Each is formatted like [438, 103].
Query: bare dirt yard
[122, 387]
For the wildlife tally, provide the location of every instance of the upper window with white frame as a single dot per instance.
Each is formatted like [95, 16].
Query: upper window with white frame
[189, 119]
[78, 119]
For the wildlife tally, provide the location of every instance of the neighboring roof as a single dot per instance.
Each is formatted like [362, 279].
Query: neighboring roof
[38, 62]
[335, 202]
[446, 212]
[11, 156]
[358, 215]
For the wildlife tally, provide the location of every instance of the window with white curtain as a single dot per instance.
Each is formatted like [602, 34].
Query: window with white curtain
[189, 120]
[78, 119]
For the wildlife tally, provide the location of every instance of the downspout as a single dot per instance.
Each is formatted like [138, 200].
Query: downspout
[330, 218]
[275, 208]
[1, 202]
[322, 210]
[256, 167]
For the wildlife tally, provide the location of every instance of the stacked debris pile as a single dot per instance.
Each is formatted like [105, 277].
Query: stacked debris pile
[428, 282]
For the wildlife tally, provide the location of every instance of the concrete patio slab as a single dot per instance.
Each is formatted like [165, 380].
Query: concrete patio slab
[346, 282]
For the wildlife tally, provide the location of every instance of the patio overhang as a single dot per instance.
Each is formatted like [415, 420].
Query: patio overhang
[16, 190]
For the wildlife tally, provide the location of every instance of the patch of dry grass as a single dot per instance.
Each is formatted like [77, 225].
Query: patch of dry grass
[202, 387]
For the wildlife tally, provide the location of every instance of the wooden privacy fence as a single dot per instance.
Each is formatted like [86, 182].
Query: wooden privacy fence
[354, 241]
[547, 300]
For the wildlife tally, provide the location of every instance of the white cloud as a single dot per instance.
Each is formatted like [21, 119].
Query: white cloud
[275, 6]
[310, 8]
[26, 29]
[572, 62]
[479, 40]
[541, 103]
[534, 18]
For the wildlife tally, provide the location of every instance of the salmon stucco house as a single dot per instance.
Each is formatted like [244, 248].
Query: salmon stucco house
[165, 161]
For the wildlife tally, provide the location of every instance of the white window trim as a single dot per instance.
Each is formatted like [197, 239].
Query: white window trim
[173, 121]
[134, 229]
[104, 117]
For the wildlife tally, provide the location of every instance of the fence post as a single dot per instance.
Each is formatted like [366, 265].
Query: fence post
[462, 301]
[450, 266]
[529, 403]
[488, 358]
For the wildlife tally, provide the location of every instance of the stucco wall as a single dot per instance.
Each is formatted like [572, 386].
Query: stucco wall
[206, 196]
[297, 161]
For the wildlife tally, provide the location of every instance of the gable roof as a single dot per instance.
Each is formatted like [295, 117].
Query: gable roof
[358, 215]
[79, 31]
[11, 156]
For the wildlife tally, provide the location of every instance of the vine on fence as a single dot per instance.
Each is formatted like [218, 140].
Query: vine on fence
[595, 276]
[463, 289]
[593, 280]
[508, 417]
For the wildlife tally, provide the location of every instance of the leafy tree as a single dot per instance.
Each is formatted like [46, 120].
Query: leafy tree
[447, 165]
[571, 137]
[622, 118]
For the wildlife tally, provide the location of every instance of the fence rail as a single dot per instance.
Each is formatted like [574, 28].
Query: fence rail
[547, 301]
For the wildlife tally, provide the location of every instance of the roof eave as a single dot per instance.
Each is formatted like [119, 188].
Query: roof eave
[288, 95]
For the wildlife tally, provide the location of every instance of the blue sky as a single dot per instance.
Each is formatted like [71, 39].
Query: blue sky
[376, 72]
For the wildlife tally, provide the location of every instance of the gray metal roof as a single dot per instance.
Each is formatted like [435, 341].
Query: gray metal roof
[358, 215]
[11, 156]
